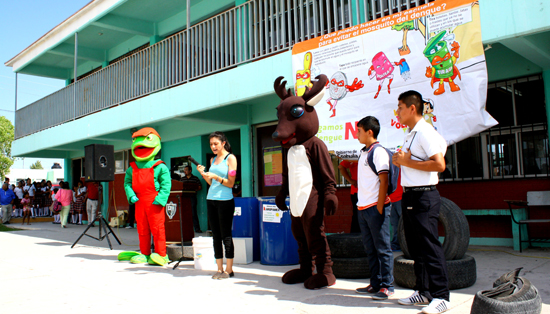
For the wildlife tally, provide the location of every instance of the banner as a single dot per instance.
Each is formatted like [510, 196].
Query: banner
[435, 49]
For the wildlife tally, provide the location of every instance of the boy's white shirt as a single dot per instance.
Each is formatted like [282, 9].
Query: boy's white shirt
[368, 182]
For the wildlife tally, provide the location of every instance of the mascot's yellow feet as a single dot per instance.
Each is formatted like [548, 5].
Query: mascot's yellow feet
[139, 259]
[127, 255]
[156, 259]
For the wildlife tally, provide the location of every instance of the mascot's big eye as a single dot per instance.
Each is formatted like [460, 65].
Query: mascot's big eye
[296, 111]
[134, 139]
[149, 137]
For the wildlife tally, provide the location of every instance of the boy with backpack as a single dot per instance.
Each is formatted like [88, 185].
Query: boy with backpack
[376, 179]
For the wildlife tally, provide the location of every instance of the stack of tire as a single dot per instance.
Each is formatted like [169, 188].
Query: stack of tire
[510, 294]
[461, 268]
[348, 256]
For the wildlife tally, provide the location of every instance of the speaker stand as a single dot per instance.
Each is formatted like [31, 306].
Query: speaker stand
[102, 225]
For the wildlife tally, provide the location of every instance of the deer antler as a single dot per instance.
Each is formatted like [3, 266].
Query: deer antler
[313, 95]
[280, 88]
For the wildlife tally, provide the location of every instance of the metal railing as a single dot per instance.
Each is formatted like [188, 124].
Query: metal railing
[250, 31]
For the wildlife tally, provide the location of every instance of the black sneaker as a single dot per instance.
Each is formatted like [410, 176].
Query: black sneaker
[367, 289]
[383, 294]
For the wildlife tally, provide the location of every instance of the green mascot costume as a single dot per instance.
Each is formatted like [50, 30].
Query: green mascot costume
[147, 184]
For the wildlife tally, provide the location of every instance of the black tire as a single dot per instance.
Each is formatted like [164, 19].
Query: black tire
[461, 273]
[457, 231]
[351, 268]
[486, 305]
[174, 251]
[526, 292]
[346, 245]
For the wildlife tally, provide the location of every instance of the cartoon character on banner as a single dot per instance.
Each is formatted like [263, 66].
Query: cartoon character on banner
[147, 184]
[303, 77]
[397, 123]
[427, 113]
[442, 64]
[382, 68]
[416, 24]
[338, 88]
[308, 178]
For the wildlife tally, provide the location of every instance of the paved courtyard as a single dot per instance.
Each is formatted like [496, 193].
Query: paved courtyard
[42, 274]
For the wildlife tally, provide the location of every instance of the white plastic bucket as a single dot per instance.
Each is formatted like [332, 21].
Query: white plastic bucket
[203, 254]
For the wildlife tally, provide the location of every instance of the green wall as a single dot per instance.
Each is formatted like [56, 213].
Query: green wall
[189, 147]
[503, 19]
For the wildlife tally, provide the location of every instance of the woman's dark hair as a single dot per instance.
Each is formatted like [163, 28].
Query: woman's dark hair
[220, 136]
[25, 194]
[66, 186]
[54, 190]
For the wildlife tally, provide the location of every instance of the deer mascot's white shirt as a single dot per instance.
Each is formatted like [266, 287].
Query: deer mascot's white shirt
[301, 180]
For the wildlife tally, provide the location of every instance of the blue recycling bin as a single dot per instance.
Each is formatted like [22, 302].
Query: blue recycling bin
[277, 244]
[246, 222]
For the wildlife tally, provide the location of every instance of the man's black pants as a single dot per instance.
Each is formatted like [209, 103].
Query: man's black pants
[420, 210]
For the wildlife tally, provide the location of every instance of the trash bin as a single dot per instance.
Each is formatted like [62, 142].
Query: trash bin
[246, 222]
[277, 244]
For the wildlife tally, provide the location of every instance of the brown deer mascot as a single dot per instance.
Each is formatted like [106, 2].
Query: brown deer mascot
[308, 177]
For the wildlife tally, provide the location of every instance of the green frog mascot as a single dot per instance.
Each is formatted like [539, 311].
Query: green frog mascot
[147, 184]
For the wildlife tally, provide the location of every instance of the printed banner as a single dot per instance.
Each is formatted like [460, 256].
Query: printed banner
[273, 166]
[435, 49]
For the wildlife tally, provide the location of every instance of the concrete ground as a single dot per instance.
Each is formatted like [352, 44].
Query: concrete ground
[42, 274]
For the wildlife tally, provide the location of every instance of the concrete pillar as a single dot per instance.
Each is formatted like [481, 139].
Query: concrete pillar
[546, 79]
[247, 173]
[154, 39]
[68, 171]
[105, 201]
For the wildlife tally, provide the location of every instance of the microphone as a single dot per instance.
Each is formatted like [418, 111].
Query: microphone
[191, 159]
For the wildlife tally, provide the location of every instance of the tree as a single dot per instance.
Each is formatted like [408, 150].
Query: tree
[37, 165]
[6, 138]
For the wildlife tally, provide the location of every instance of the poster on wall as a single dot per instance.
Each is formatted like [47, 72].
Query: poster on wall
[273, 166]
[435, 49]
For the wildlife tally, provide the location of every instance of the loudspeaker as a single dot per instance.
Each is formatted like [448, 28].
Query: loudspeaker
[99, 163]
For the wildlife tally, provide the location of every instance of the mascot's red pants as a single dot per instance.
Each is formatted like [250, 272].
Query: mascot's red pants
[149, 217]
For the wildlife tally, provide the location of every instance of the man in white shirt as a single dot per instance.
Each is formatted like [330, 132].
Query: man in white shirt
[420, 159]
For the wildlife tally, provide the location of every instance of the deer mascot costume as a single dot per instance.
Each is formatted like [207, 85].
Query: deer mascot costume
[308, 177]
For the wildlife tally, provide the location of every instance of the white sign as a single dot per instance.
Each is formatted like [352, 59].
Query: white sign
[434, 49]
[271, 213]
[237, 211]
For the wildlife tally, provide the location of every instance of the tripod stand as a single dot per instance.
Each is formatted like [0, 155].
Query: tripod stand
[102, 225]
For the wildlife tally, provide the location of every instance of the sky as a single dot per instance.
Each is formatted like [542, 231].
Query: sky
[22, 22]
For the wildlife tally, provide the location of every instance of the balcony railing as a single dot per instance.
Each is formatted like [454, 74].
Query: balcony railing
[253, 30]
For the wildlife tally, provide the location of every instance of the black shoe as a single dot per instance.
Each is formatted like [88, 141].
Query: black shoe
[7, 223]
[198, 231]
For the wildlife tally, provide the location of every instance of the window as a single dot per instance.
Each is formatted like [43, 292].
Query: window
[121, 161]
[517, 146]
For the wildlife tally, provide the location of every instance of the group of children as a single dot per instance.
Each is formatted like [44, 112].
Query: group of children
[35, 199]
[32, 199]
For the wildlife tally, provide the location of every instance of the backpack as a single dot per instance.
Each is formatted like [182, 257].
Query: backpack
[393, 174]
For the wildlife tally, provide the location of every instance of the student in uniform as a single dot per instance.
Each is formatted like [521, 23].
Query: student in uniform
[374, 209]
[420, 159]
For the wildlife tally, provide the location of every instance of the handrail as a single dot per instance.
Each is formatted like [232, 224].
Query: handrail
[253, 30]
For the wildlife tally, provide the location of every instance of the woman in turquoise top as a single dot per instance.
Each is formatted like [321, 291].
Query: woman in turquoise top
[221, 206]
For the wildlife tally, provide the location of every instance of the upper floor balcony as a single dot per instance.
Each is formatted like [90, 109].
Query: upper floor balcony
[121, 50]
[244, 33]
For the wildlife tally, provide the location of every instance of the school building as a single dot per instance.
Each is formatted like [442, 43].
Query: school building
[190, 68]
